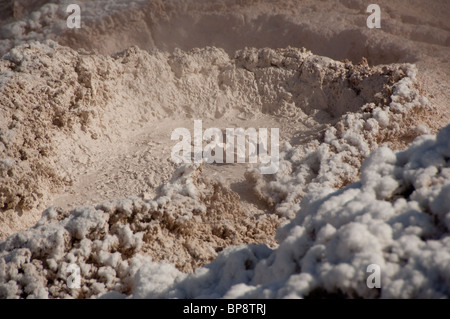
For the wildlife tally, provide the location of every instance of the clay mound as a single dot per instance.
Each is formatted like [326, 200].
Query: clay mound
[396, 214]
[86, 125]
[187, 225]
[62, 107]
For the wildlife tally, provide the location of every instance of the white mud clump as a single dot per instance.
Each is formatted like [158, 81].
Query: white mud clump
[62, 107]
[81, 128]
[397, 216]
[186, 225]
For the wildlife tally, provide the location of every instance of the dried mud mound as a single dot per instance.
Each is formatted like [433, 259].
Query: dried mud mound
[52, 93]
[61, 105]
[186, 225]
[345, 195]
[57, 101]
[397, 216]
